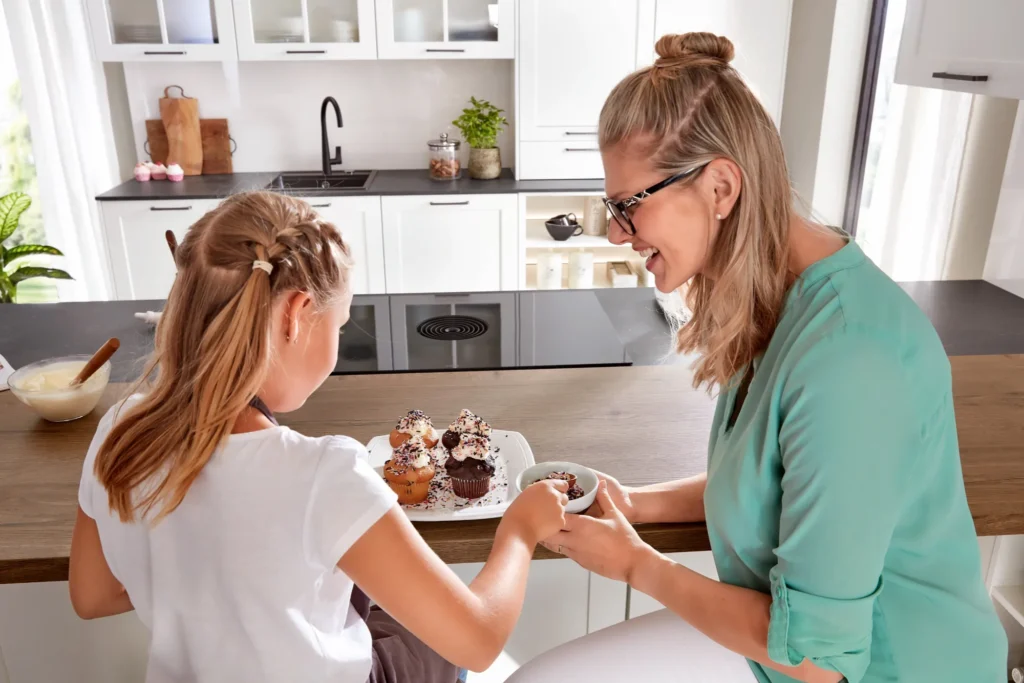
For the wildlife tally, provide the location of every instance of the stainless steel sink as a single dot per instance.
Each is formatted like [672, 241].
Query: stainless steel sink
[318, 182]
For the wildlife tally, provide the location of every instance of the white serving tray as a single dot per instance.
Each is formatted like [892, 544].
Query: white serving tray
[512, 455]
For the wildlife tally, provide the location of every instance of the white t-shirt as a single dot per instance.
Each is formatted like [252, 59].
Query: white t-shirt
[239, 583]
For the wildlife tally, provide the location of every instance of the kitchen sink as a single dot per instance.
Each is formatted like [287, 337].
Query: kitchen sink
[318, 182]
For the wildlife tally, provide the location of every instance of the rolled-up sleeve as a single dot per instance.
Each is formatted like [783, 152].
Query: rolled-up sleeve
[848, 439]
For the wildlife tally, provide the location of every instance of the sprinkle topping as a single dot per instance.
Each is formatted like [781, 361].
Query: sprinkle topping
[468, 423]
[472, 446]
[415, 423]
[412, 453]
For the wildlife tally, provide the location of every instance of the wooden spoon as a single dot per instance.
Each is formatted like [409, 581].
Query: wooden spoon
[97, 361]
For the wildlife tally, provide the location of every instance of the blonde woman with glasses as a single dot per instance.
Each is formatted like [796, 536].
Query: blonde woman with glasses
[833, 497]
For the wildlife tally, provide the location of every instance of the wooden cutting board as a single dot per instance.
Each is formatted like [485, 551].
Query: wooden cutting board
[216, 144]
[180, 116]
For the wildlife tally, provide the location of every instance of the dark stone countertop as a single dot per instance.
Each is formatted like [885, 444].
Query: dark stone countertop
[407, 182]
[972, 317]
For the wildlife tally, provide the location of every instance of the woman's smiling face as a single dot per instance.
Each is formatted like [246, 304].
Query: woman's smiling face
[676, 225]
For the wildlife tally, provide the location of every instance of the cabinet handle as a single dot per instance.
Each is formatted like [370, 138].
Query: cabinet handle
[165, 52]
[170, 208]
[575, 132]
[321, 206]
[959, 77]
[305, 52]
[582, 149]
[450, 203]
[430, 49]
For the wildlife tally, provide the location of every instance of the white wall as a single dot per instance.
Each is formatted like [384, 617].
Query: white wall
[827, 44]
[977, 196]
[390, 108]
[1005, 262]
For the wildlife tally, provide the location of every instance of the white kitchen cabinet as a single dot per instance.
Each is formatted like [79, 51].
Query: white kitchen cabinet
[571, 54]
[450, 243]
[295, 30]
[445, 29]
[971, 47]
[162, 30]
[759, 29]
[359, 220]
[140, 261]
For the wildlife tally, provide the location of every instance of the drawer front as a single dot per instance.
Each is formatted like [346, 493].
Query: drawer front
[559, 160]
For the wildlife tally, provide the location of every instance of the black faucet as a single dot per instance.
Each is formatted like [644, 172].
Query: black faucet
[325, 151]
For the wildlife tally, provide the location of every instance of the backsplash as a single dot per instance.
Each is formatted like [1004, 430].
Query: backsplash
[390, 108]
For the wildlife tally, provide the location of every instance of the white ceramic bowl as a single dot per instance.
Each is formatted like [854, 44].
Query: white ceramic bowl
[585, 477]
[60, 405]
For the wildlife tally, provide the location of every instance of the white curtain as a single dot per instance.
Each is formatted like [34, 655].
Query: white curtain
[915, 155]
[65, 97]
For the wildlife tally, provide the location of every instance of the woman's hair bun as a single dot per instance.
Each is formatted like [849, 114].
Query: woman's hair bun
[676, 49]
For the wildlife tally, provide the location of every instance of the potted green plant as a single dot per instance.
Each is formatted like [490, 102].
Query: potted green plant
[11, 208]
[480, 124]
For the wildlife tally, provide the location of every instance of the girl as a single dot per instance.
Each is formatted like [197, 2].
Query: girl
[833, 496]
[237, 541]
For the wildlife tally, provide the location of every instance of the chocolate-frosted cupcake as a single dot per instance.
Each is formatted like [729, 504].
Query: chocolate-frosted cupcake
[466, 423]
[469, 467]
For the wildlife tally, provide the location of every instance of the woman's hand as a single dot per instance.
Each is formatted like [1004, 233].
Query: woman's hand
[620, 498]
[539, 511]
[603, 542]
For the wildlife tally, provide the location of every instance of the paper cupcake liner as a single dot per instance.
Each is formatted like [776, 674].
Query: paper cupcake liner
[471, 488]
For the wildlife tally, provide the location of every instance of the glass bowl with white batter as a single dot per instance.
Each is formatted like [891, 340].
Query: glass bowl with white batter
[44, 387]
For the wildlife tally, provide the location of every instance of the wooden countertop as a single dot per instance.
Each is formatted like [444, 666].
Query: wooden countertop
[639, 424]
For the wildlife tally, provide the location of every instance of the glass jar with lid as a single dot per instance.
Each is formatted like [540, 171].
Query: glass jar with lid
[444, 158]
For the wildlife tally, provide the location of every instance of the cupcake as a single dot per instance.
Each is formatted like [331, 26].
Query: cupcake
[469, 467]
[175, 173]
[466, 423]
[414, 424]
[409, 472]
[142, 172]
[575, 490]
[157, 171]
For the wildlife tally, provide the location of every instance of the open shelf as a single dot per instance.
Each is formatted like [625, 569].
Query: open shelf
[600, 278]
[1012, 599]
[537, 237]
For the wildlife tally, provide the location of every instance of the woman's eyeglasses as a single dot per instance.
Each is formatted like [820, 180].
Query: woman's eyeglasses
[620, 209]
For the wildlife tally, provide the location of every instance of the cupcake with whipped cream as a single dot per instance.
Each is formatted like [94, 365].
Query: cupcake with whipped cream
[469, 466]
[415, 424]
[410, 471]
[466, 423]
[175, 173]
[142, 172]
[157, 171]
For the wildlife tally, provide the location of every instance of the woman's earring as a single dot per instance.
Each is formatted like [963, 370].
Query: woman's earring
[718, 216]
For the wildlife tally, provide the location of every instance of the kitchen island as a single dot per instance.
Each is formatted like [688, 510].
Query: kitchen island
[637, 419]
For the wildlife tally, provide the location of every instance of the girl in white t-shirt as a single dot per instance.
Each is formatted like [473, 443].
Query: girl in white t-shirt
[237, 541]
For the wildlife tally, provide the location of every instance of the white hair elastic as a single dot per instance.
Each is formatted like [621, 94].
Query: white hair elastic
[266, 267]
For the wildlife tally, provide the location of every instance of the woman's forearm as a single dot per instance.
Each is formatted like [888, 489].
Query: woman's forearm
[734, 617]
[672, 501]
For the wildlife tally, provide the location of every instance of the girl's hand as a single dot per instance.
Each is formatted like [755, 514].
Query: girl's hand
[605, 542]
[619, 495]
[539, 511]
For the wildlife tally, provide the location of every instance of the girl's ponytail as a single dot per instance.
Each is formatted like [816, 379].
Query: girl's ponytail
[213, 344]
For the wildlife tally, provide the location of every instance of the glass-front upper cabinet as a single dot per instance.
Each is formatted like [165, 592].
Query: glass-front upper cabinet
[446, 29]
[162, 30]
[305, 29]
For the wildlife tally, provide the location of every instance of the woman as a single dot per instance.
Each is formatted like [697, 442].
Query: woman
[833, 496]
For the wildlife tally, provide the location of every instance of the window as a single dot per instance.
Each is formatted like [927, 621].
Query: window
[908, 153]
[18, 170]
